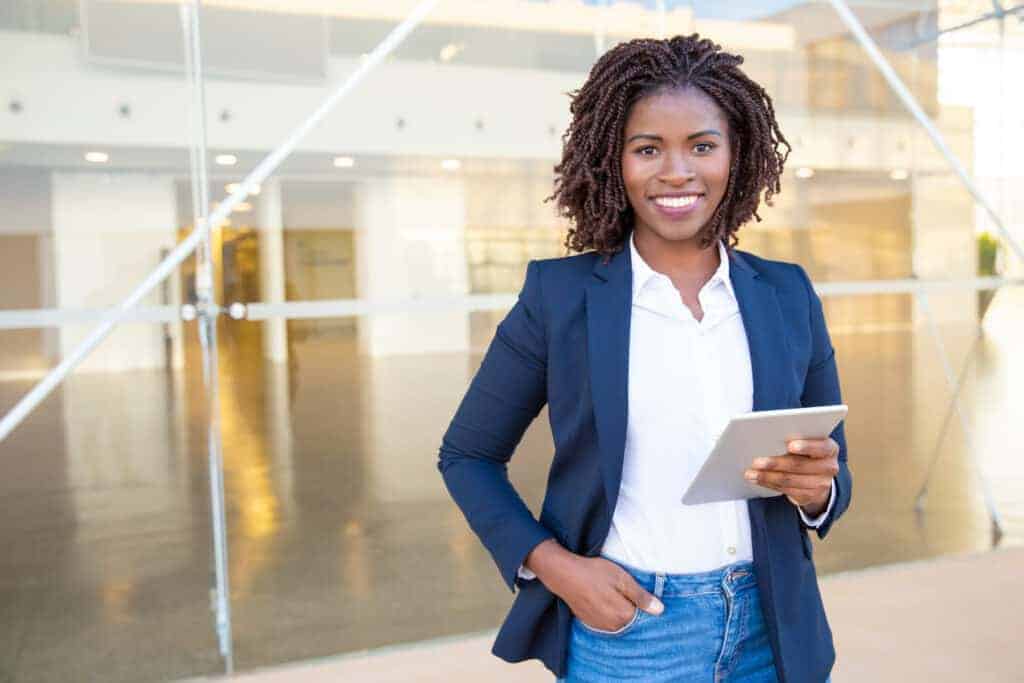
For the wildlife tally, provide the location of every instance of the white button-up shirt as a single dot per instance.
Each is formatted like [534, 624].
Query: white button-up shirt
[687, 378]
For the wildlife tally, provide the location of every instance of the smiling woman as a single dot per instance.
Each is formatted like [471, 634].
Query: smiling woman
[675, 163]
[643, 347]
[675, 168]
[626, 88]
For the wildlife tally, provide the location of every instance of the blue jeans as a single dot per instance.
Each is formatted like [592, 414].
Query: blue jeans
[712, 631]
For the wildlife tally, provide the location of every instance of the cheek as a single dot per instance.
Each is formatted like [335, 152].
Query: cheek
[632, 177]
[718, 174]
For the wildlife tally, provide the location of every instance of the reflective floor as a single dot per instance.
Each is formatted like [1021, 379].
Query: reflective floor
[341, 534]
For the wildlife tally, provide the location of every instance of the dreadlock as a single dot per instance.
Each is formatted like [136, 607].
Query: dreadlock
[589, 189]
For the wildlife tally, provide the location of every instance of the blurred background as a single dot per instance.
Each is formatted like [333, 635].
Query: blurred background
[419, 201]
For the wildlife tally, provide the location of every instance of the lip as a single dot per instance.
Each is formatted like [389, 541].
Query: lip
[680, 212]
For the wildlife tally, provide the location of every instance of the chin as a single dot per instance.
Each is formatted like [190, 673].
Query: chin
[677, 233]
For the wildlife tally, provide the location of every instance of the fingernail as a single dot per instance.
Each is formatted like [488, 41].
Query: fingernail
[750, 474]
[655, 607]
[761, 462]
[797, 445]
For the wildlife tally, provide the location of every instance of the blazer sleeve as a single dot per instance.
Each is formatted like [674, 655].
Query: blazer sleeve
[821, 387]
[504, 397]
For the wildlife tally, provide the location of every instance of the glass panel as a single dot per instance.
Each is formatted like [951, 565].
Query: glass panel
[105, 516]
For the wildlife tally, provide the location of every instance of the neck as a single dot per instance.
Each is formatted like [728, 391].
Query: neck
[678, 259]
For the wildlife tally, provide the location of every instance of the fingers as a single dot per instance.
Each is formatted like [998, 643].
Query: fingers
[814, 448]
[797, 464]
[788, 481]
[638, 596]
[805, 473]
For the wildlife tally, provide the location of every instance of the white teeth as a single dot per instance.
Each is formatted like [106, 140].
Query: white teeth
[675, 202]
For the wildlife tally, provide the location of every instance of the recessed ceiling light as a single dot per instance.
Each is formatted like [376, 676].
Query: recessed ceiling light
[226, 159]
[804, 172]
[97, 157]
[230, 188]
[344, 162]
[451, 164]
[899, 174]
[451, 51]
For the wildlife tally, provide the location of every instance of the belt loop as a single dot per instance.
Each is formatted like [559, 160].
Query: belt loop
[659, 585]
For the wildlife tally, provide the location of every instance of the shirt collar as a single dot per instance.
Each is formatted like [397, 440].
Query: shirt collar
[643, 273]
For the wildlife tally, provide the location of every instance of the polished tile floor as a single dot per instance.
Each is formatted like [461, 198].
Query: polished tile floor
[341, 534]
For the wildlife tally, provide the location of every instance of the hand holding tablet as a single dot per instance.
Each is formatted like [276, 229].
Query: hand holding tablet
[751, 444]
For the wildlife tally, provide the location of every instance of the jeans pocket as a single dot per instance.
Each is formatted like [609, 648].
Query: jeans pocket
[618, 632]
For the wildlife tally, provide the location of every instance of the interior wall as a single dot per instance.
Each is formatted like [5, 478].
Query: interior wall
[109, 230]
[25, 261]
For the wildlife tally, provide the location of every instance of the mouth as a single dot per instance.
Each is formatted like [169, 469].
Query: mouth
[677, 206]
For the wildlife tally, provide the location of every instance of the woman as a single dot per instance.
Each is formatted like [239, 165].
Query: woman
[642, 348]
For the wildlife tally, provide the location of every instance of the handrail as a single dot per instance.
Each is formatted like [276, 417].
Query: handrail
[328, 308]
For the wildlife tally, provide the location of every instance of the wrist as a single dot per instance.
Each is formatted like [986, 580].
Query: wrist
[814, 509]
[548, 560]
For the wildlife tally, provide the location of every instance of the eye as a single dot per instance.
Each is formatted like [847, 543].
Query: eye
[646, 151]
[707, 147]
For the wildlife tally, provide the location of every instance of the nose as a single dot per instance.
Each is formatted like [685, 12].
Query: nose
[677, 169]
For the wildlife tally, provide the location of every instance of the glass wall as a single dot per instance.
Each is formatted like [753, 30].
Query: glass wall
[374, 263]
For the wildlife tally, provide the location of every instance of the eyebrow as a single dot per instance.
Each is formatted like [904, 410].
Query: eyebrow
[652, 136]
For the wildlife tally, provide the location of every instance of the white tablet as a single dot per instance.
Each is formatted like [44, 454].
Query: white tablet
[753, 435]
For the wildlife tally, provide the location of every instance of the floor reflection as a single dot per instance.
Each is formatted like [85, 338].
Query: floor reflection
[341, 534]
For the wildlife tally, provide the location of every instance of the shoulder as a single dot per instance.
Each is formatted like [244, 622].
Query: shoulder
[557, 285]
[564, 272]
[785, 276]
[568, 266]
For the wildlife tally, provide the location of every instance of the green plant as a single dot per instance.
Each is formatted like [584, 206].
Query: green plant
[988, 249]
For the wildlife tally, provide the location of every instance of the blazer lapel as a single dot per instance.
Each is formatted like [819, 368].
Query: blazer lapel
[769, 358]
[609, 296]
[766, 334]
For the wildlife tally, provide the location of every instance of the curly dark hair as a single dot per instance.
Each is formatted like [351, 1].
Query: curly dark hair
[589, 189]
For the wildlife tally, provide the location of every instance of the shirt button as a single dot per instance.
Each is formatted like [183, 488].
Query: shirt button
[731, 550]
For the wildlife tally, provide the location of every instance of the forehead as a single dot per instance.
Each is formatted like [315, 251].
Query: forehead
[678, 110]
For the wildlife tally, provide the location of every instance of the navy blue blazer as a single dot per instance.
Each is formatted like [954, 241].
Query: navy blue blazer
[566, 343]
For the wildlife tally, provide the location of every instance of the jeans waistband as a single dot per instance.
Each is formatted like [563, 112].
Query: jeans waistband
[731, 577]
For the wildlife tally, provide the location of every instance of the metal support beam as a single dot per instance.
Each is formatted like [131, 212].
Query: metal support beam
[999, 13]
[207, 308]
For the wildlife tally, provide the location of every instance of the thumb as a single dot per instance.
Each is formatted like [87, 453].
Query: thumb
[644, 600]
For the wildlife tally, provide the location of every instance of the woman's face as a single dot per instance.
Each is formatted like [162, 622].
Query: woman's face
[675, 163]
